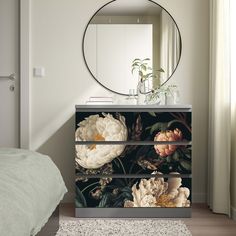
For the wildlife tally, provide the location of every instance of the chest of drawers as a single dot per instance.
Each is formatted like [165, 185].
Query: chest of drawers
[133, 161]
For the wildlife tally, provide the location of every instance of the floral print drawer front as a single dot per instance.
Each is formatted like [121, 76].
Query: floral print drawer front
[133, 126]
[109, 159]
[133, 192]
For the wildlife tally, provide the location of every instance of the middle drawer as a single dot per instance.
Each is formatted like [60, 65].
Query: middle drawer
[123, 159]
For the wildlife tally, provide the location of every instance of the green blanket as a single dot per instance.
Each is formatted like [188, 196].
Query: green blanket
[31, 187]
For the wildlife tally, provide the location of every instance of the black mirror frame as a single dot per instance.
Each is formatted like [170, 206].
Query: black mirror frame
[124, 94]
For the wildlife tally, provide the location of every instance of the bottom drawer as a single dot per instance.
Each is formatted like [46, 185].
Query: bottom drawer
[132, 193]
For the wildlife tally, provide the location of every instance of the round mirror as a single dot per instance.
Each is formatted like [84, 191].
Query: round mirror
[126, 37]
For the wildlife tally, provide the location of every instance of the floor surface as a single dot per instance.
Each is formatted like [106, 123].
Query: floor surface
[202, 223]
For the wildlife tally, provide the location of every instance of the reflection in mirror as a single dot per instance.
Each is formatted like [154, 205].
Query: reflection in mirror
[123, 31]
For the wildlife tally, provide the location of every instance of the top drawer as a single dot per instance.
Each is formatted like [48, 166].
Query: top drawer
[133, 125]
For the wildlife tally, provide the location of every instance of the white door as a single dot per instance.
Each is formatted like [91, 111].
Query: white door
[9, 64]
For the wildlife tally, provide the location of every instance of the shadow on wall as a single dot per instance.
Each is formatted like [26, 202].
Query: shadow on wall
[60, 147]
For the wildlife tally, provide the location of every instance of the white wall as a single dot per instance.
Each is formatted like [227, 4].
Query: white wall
[233, 115]
[57, 30]
[233, 157]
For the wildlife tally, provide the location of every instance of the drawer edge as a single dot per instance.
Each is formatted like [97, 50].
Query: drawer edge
[133, 212]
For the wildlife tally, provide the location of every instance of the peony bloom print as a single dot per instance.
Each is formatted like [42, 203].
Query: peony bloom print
[172, 136]
[155, 192]
[97, 128]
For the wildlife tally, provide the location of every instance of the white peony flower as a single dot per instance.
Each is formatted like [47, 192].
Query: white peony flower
[155, 192]
[96, 128]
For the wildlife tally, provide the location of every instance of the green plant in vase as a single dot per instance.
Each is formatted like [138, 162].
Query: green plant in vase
[166, 93]
[146, 77]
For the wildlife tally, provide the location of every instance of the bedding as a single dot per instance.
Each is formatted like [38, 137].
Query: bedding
[31, 187]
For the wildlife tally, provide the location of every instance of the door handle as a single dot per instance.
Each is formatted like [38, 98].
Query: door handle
[11, 77]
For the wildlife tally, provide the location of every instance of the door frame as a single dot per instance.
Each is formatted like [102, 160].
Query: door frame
[24, 74]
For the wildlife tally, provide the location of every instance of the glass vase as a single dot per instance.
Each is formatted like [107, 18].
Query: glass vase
[143, 89]
[132, 98]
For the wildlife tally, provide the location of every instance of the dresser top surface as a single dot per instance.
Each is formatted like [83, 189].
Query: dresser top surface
[134, 107]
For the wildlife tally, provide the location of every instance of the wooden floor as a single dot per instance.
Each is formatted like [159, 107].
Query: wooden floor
[202, 223]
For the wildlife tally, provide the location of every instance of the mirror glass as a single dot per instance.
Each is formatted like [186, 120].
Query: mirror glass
[122, 31]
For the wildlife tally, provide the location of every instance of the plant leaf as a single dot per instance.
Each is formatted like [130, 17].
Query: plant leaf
[80, 199]
[141, 74]
[168, 159]
[126, 189]
[126, 193]
[158, 127]
[173, 121]
[152, 114]
[185, 164]
[161, 70]
[186, 150]
[120, 182]
[135, 64]
[106, 198]
[136, 59]
[149, 75]
[116, 163]
[175, 156]
[188, 156]
[78, 204]
[185, 153]
[143, 67]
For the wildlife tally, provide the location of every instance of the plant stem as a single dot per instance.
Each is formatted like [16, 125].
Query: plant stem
[122, 168]
[121, 165]
[89, 186]
[94, 188]
[182, 122]
[131, 182]
[131, 168]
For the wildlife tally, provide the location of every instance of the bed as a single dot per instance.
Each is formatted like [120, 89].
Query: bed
[31, 188]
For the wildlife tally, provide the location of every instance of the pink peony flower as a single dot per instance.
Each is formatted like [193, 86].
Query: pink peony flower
[171, 136]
